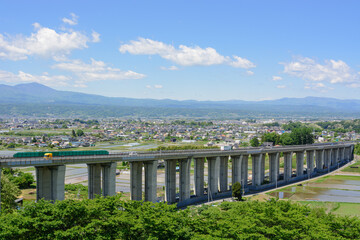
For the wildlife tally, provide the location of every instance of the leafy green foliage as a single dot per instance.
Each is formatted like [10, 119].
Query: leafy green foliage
[236, 191]
[271, 137]
[112, 218]
[302, 135]
[9, 193]
[79, 132]
[298, 136]
[20, 179]
[357, 149]
[254, 142]
[341, 126]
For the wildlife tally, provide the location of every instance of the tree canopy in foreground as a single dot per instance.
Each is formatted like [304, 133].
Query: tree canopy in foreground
[113, 218]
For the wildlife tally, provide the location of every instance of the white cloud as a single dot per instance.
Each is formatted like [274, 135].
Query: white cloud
[45, 42]
[353, 85]
[95, 37]
[250, 73]
[281, 86]
[331, 71]
[95, 71]
[183, 55]
[45, 78]
[242, 63]
[171, 68]
[276, 78]
[154, 86]
[317, 86]
[72, 21]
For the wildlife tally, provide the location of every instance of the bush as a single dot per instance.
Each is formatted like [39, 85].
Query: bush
[236, 191]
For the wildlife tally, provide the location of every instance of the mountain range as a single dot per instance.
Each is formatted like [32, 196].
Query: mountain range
[35, 94]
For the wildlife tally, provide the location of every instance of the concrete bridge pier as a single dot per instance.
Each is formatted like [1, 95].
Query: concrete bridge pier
[213, 174]
[346, 154]
[310, 161]
[136, 181]
[150, 180]
[256, 169]
[299, 163]
[108, 183]
[262, 173]
[94, 180]
[336, 155]
[170, 181]
[223, 178]
[319, 155]
[184, 179]
[341, 154]
[287, 165]
[244, 169]
[352, 149]
[236, 169]
[199, 176]
[109, 179]
[50, 183]
[327, 158]
[274, 166]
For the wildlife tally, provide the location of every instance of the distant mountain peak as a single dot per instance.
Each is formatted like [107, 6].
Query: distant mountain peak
[34, 87]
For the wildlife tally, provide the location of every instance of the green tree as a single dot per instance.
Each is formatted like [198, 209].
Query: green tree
[286, 139]
[357, 149]
[271, 137]
[254, 142]
[73, 133]
[9, 193]
[79, 132]
[236, 191]
[302, 136]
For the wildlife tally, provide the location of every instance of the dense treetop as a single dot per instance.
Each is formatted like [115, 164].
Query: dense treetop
[112, 218]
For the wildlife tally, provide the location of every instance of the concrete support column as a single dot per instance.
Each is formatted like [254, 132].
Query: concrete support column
[352, 149]
[170, 181]
[319, 156]
[274, 166]
[94, 180]
[333, 157]
[136, 181]
[236, 169]
[287, 165]
[256, 169]
[310, 161]
[262, 173]
[336, 155]
[244, 170]
[223, 178]
[299, 163]
[184, 179]
[341, 154]
[50, 183]
[213, 174]
[199, 176]
[109, 178]
[327, 158]
[346, 154]
[150, 180]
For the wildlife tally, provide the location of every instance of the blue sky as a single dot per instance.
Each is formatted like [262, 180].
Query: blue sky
[202, 50]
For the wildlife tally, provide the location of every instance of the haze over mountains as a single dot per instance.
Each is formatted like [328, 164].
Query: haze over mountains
[34, 95]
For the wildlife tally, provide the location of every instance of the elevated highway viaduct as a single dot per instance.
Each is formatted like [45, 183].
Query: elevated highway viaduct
[50, 173]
